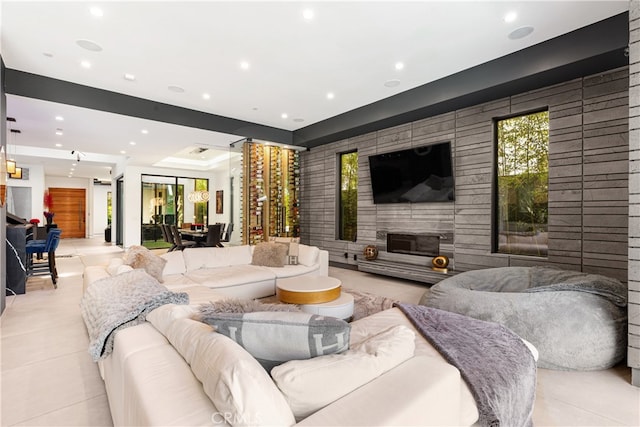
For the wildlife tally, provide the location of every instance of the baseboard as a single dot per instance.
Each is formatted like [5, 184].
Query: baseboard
[343, 265]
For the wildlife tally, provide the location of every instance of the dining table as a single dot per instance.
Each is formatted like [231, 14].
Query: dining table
[198, 236]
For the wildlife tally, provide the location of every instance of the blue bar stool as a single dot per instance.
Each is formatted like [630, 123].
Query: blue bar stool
[41, 246]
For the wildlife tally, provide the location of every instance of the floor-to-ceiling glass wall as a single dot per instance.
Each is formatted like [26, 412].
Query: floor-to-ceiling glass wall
[171, 200]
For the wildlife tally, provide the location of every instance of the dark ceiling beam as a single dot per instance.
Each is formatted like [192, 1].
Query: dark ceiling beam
[588, 50]
[54, 90]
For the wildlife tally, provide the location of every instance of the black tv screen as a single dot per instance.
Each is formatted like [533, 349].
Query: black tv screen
[415, 175]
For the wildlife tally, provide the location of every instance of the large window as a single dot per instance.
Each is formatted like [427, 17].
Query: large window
[522, 184]
[348, 209]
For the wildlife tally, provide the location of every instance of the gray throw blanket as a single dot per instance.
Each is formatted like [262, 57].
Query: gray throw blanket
[121, 301]
[494, 362]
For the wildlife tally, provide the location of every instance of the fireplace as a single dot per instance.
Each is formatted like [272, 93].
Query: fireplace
[414, 244]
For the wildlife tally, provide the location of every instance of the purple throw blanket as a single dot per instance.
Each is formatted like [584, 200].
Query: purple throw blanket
[494, 362]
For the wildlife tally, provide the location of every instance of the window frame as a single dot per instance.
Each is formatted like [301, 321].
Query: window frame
[339, 215]
[495, 199]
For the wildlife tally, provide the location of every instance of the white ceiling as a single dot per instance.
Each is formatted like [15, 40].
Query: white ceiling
[349, 49]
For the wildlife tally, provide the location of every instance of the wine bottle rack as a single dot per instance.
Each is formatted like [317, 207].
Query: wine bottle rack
[271, 186]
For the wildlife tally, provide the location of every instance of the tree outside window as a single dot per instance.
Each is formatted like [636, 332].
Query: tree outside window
[348, 209]
[523, 184]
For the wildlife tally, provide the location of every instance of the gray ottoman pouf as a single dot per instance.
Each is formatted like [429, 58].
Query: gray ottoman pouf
[577, 321]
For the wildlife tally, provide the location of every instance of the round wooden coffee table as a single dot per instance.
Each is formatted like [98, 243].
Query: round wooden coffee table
[308, 289]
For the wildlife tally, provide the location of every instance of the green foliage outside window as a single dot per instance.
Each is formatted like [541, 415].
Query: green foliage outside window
[523, 184]
[109, 208]
[348, 196]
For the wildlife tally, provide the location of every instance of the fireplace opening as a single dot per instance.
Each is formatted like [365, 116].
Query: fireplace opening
[414, 244]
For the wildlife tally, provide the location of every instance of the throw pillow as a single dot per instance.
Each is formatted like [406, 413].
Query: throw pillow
[308, 255]
[236, 305]
[112, 267]
[269, 254]
[141, 257]
[309, 385]
[276, 337]
[236, 384]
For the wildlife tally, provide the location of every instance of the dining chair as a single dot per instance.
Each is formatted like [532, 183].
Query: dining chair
[177, 239]
[227, 233]
[49, 247]
[168, 236]
[213, 236]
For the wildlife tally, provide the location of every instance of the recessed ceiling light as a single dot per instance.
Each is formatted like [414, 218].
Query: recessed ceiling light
[72, 169]
[284, 115]
[129, 76]
[392, 83]
[58, 131]
[399, 65]
[123, 152]
[510, 17]
[176, 89]
[330, 95]
[308, 14]
[89, 45]
[58, 145]
[85, 64]
[132, 143]
[73, 164]
[144, 131]
[96, 11]
[244, 65]
[521, 32]
[60, 118]
[206, 96]
[298, 120]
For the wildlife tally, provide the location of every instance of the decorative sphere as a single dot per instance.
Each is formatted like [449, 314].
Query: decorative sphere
[370, 253]
[441, 261]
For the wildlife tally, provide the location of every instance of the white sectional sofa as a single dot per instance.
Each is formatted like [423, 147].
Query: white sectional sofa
[228, 270]
[155, 377]
[173, 370]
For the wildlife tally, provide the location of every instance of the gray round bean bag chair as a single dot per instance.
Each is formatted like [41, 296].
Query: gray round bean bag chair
[577, 321]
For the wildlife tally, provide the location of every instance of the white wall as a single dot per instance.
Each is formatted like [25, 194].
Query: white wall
[36, 182]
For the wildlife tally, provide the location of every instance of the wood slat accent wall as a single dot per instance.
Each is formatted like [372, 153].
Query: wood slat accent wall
[588, 181]
[633, 357]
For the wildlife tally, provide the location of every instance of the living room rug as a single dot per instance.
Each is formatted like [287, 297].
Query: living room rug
[365, 304]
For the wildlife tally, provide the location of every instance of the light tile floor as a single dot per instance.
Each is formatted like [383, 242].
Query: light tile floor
[48, 378]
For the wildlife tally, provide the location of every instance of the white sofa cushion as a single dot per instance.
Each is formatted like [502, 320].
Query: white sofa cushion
[201, 258]
[238, 386]
[276, 337]
[239, 255]
[231, 275]
[175, 263]
[308, 255]
[292, 270]
[309, 385]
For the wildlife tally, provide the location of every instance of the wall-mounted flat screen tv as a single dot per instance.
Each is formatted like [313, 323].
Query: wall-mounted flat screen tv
[416, 175]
